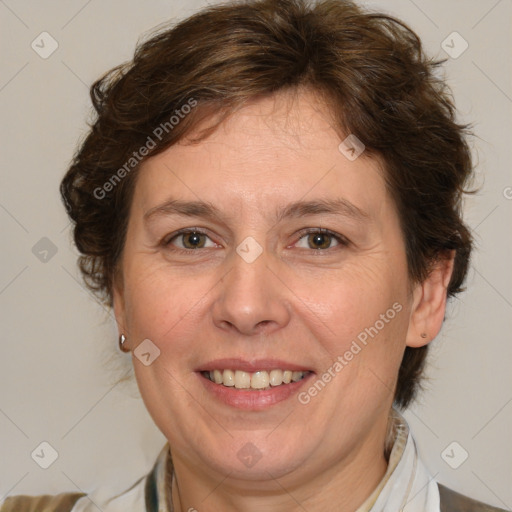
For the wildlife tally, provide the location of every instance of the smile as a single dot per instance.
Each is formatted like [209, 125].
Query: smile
[259, 380]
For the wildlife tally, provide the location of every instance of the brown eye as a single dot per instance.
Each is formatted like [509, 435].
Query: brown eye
[189, 240]
[193, 240]
[320, 239]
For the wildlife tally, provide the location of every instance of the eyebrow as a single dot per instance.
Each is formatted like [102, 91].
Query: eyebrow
[338, 206]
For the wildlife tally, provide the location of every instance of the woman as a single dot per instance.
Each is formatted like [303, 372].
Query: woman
[269, 200]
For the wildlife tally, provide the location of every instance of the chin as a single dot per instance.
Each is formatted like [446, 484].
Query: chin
[255, 457]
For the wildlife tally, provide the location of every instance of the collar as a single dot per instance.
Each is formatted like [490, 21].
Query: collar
[406, 486]
[396, 440]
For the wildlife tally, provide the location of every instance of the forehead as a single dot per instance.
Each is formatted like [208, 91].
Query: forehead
[274, 150]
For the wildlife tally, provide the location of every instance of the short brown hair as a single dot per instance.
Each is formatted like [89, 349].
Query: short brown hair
[369, 68]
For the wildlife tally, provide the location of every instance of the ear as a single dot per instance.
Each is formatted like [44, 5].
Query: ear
[119, 304]
[429, 303]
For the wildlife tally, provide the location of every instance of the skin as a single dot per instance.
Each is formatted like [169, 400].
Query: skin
[295, 302]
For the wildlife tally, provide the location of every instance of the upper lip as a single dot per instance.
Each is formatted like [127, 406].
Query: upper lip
[251, 366]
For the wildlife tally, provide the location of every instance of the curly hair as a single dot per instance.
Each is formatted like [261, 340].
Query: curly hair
[370, 69]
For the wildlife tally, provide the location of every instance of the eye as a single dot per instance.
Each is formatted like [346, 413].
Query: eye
[189, 239]
[311, 238]
[320, 239]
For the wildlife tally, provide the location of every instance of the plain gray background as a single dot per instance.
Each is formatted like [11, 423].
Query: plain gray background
[59, 359]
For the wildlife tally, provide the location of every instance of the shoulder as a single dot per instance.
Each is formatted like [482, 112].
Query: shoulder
[134, 499]
[148, 494]
[452, 501]
[58, 503]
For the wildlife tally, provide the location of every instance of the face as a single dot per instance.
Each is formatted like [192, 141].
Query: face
[261, 251]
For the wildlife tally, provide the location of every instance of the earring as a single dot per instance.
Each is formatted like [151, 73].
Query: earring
[423, 335]
[122, 348]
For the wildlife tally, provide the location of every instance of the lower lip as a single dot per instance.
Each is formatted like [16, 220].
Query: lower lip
[253, 400]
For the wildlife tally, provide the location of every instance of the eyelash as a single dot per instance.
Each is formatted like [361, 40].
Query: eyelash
[342, 241]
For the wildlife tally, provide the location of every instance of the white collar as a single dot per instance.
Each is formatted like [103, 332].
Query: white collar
[406, 486]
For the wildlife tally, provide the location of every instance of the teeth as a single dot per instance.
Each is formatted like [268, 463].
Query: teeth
[242, 380]
[228, 378]
[276, 377]
[217, 377]
[296, 376]
[257, 380]
[260, 380]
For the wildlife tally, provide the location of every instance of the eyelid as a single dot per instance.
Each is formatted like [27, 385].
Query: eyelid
[169, 238]
[343, 241]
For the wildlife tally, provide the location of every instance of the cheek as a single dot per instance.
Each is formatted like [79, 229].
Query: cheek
[343, 302]
[360, 316]
[161, 304]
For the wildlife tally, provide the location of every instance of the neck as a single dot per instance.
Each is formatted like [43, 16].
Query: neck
[341, 486]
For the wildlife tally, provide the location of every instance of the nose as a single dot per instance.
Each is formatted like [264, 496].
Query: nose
[251, 299]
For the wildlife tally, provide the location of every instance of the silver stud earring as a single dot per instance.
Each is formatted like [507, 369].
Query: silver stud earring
[122, 339]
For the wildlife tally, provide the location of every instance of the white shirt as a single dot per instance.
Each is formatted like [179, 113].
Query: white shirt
[406, 486]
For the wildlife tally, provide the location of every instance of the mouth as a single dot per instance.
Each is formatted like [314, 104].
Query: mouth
[253, 385]
[260, 380]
